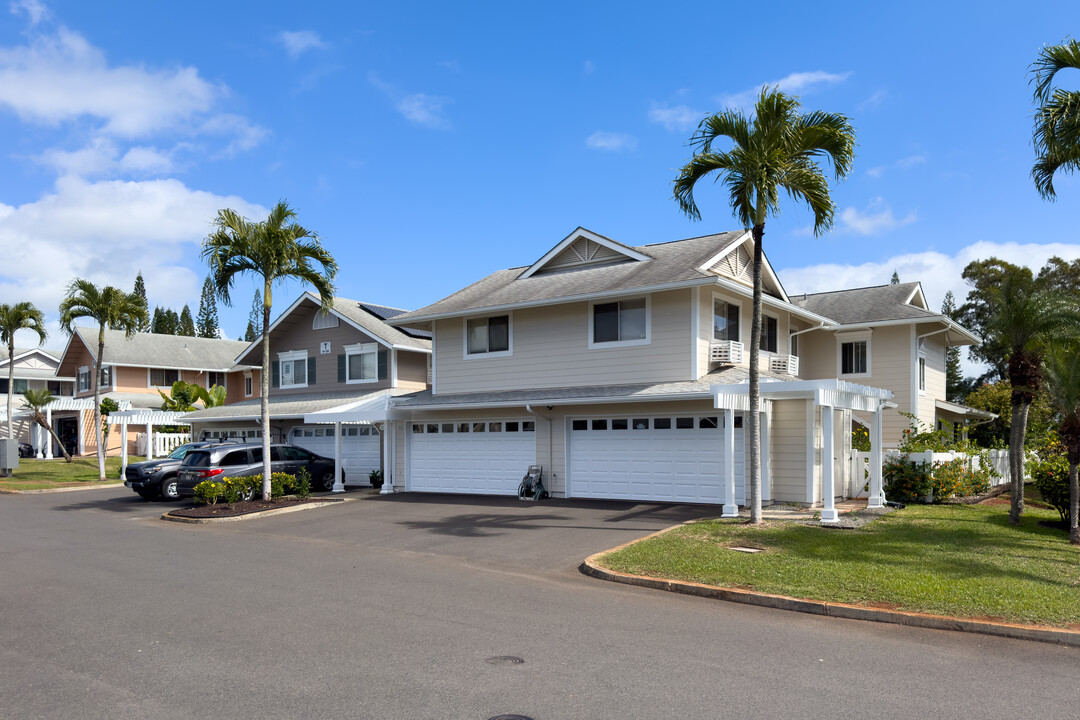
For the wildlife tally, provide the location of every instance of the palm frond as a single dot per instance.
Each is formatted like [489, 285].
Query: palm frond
[1053, 59]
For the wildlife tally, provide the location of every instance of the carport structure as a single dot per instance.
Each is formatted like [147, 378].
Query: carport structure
[149, 418]
[373, 412]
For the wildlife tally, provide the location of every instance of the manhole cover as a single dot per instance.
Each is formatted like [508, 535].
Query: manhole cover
[505, 660]
[741, 548]
[511, 717]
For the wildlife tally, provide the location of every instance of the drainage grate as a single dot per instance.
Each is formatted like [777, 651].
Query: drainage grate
[742, 548]
[511, 717]
[504, 660]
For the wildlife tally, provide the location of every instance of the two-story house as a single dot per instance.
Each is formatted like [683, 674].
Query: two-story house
[623, 372]
[35, 369]
[324, 363]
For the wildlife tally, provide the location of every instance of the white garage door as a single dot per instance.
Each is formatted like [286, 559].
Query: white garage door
[482, 457]
[669, 458]
[359, 447]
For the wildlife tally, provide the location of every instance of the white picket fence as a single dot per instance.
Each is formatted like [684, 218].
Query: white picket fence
[164, 443]
[860, 466]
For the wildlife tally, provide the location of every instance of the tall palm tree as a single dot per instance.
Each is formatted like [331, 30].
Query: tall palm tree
[274, 250]
[1062, 367]
[20, 316]
[778, 149]
[1023, 319]
[35, 401]
[1057, 118]
[110, 308]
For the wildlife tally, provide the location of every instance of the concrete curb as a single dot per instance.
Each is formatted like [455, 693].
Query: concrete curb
[1037, 633]
[254, 515]
[60, 490]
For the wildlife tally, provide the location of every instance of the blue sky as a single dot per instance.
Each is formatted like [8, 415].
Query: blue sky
[432, 143]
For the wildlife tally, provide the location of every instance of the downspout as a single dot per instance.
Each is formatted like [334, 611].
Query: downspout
[822, 326]
[551, 475]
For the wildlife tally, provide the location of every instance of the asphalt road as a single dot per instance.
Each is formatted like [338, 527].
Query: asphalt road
[399, 608]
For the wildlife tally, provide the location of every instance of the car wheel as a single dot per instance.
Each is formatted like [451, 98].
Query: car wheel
[326, 482]
[169, 490]
[145, 495]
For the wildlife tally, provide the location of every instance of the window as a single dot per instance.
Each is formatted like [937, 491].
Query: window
[324, 319]
[794, 342]
[725, 320]
[362, 362]
[84, 379]
[625, 321]
[768, 334]
[487, 335]
[237, 457]
[922, 374]
[106, 376]
[163, 378]
[21, 385]
[248, 385]
[215, 378]
[853, 357]
[292, 369]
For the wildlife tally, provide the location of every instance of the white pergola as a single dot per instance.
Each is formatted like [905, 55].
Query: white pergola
[829, 394]
[370, 411]
[44, 446]
[149, 418]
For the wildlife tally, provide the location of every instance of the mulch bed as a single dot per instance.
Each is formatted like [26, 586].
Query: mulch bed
[245, 507]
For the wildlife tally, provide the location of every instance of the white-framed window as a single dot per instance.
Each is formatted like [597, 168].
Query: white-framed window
[21, 385]
[793, 343]
[249, 384]
[853, 354]
[362, 363]
[162, 377]
[293, 369]
[215, 378]
[769, 328]
[323, 320]
[725, 320]
[488, 336]
[619, 323]
[922, 374]
[106, 376]
[84, 379]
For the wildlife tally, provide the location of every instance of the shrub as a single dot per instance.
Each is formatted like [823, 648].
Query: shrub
[302, 486]
[207, 492]
[375, 477]
[906, 480]
[953, 478]
[1051, 476]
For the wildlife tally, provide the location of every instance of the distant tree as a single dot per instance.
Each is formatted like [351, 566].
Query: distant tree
[20, 316]
[206, 325]
[140, 292]
[186, 325]
[1062, 366]
[35, 401]
[997, 398]
[108, 405]
[1057, 117]
[954, 375]
[255, 318]
[161, 325]
[985, 278]
[110, 308]
[250, 335]
[895, 278]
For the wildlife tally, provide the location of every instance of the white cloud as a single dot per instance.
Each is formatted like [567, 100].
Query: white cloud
[678, 118]
[911, 161]
[874, 101]
[878, 217]
[107, 232]
[795, 83]
[34, 9]
[298, 42]
[876, 172]
[418, 108]
[589, 68]
[611, 141]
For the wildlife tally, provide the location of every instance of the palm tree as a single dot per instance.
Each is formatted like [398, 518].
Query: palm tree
[779, 149]
[35, 401]
[113, 309]
[20, 316]
[274, 250]
[1023, 318]
[1062, 366]
[1057, 118]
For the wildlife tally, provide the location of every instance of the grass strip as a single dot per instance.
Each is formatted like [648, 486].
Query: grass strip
[33, 474]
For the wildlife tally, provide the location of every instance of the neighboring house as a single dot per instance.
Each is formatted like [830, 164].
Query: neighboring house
[35, 369]
[887, 336]
[135, 369]
[344, 360]
[623, 372]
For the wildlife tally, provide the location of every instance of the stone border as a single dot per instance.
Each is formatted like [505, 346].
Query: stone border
[1037, 633]
[255, 515]
[60, 490]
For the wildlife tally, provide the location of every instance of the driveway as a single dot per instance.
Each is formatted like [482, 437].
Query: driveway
[410, 606]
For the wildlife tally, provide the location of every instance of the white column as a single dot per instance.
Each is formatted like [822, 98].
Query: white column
[123, 449]
[79, 428]
[730, 508]
[48, 436]
[877, 494]
[339, 473]
[35, 440]
[388, 457]
[149, 441]
[763, 434]
[828, 466]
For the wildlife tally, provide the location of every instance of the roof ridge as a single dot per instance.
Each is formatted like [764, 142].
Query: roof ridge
[696, 237]
[865, 287]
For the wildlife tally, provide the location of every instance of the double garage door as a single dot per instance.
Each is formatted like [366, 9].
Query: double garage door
[359, 447]
[485, 457]
[669, 458]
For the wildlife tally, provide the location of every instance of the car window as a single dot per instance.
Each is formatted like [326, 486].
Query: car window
[275, 454]
[256, 455]
[236, 457]
[180, 452]
[295, 453]
[197, 458]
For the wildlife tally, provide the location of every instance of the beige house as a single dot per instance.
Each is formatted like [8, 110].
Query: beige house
[35, 369]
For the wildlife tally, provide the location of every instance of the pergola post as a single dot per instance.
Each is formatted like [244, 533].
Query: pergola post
[149, 441]
[828, 467]
[731, 509]
[339, 474]
[877, 494]
[763, 435]
[123, 449]
[387, 434]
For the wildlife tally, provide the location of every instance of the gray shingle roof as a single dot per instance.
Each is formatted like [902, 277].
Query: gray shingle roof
[166, 351]
[673, 262]
[284, 406]
[863, 305]
[358, 313]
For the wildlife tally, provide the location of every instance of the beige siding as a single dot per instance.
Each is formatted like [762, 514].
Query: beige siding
[934, 351]
[412, 370]
[787, 444]
[550, 348]
[784, 325]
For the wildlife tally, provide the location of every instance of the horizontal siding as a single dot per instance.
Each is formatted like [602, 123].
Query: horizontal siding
[787, 444]
[935, 380]
[412, 369]
[746, 319]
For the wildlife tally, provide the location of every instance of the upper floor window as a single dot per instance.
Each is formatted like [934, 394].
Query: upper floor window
[249, 384]
[793, 343]
[922, 373]
[324, 319]
[487, 335]
[292, 369]
[725, 320]
[768, 333]
[855, 357]
[84, 379]
[215, 378]
[107, 376]
[625, 321]
[362, 362]
[163, 377]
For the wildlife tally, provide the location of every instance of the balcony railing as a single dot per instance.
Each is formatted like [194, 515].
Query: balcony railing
[728, 352]
[784, 364]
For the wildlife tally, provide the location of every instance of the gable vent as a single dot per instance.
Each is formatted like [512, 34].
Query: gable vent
[583, 251]
[737, 265]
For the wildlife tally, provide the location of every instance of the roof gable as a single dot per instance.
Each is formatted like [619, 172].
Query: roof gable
[584, 248]
[736, 262]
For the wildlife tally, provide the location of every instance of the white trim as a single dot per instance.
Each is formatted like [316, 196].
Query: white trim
[320, 313]
[434, 365]
[811, 450]
[949, 325]
[508, 352]
[766, 266]
[361, 349]
[150, 382]
[647, 340]
[291, 356]
[920, 372]
[570, 239]
[695, 332]
[392, 370]
[913, 370]
[853, 337]
[922, 297]
[249, 379]
[712, 315]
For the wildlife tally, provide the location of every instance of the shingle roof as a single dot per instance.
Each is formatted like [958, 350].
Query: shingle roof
[356, 312]
[284, 406]
[385, 313]
[673, 262]
[167, 351]
[863, 305]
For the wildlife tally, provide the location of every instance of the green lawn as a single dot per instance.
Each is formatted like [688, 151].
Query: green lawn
[46, 474]
[960, 560]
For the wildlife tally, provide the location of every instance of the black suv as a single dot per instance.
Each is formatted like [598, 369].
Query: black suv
[157, 478]
[222, 461]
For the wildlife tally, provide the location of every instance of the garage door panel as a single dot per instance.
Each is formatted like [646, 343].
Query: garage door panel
[360, 447]
[488, 458]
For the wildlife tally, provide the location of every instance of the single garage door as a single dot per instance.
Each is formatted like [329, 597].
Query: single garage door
[359, 447]
[482, 457]
[667, 458]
